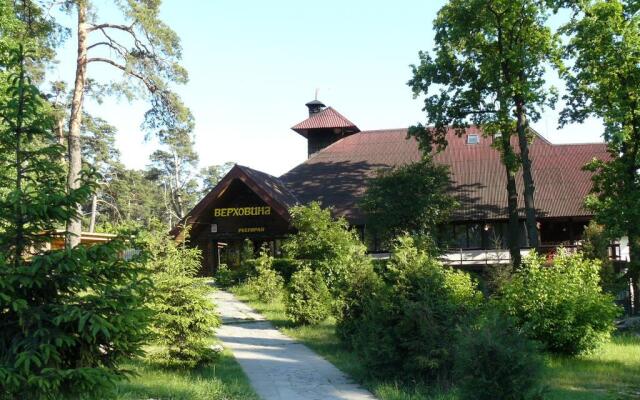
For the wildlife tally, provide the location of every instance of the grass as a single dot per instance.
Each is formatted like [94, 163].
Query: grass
[611, 373]
[222, 379]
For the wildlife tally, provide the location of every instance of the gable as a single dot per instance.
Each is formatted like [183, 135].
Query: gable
[245, 202]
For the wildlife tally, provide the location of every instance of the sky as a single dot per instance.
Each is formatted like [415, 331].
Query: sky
[254, 64]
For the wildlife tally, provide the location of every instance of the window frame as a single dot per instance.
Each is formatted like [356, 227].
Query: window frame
[476, 136]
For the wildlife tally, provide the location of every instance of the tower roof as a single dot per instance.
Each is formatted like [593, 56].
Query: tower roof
[325, 119]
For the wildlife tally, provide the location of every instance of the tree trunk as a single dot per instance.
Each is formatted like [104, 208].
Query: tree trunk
[634, 269]
[513, 239]
[74, 224]
[19, 214]
[94, 211]
[529, 187]
[177, 195]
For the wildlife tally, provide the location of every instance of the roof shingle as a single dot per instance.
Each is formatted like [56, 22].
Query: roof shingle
[337, 176]
[325, 119]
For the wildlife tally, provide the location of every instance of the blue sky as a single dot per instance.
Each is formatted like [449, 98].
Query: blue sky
[253, 65]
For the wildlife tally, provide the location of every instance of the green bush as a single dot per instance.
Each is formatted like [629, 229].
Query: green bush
[69, 318]
[562, 306]
[267, 284]
[183, 314]
[224, 276]
[286, 267]
[595, 246]
[362, 285]
[406, 326]
[494, 360]
[326, 245]
[228, 276]
[308, 300]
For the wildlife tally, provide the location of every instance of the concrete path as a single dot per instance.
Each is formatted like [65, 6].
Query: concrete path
[278, 367]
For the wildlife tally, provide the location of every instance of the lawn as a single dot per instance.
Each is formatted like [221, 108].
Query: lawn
[222, 380]
[611, 373]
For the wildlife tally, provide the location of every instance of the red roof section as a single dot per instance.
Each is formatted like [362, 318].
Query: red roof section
[325, 119]
[337, 175]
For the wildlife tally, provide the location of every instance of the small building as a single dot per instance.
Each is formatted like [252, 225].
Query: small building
[86, 239]
[249, 204]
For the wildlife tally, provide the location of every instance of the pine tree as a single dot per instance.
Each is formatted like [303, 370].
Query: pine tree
[184, 316]
[69, 317]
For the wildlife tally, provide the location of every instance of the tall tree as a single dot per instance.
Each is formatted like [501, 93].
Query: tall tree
[488, 69]
[211, 175]
[99, 152]
[604, 81]
[146, 51]
[412, 198]
[69, 317]
[174, 168]
[130, 195]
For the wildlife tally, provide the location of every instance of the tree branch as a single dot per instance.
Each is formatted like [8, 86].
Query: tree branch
[152, 88]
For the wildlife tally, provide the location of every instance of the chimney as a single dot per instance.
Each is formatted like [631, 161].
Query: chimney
[315, 106]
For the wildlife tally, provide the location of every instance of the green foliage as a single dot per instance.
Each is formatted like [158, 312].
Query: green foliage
[224, 276]
[412, 199]
[489, 57]
[562, 306]
[494, 360]
[69, 317]
[604, 82]
[405, 328]
[488, 70]
[496, 276]
[211, 175]
[308, 300]
[325, 245]
[227, 276]
[286, 267]
[363, 285]
[183, 314]
[595, 246]
[267, 284]
[173, 167]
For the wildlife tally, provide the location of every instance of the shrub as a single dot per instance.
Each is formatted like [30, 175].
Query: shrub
[496, 276]
[228, 276]
[224, 276]
[495, 360]
[69, 318]
[595, 246]
[325, 245]
[562, 306]
[405, 328]
[308, 299]
[362, 285]
[183, 315]
[285, 267]
[267, 284]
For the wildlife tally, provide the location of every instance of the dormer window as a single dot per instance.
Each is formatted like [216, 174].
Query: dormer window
[473, 139]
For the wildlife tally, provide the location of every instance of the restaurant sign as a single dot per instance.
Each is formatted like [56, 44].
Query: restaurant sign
[241, 211]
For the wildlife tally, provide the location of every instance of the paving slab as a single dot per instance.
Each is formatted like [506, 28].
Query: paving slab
[279, 367]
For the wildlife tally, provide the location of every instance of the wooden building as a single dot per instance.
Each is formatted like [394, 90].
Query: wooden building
[249, 204]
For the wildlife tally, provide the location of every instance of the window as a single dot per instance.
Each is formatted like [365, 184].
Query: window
[460, 236]
[474, 235]
[473, 139]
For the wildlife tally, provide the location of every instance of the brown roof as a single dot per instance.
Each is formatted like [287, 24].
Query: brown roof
[325, 119]
[337, 175]
[268, 187]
